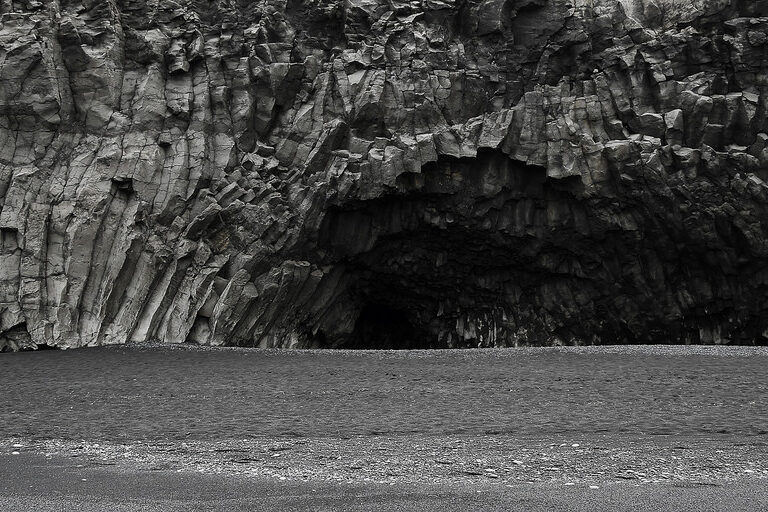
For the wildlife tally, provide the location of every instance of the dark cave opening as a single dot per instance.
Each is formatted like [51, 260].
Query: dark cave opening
[382, 327]
[46, 347]
[490, 252]
[439, 262]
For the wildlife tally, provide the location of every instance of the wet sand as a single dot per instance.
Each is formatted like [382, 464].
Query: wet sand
[162, 393]
[35, 483]
[536, 429]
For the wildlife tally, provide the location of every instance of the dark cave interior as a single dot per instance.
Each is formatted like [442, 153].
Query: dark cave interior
[488, 251]
[382, 327]
[436, 263]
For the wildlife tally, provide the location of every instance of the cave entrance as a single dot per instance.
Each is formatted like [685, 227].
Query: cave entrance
[439, 260]
[382, 327]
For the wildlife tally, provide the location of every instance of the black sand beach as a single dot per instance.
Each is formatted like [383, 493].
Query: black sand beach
[665, 428]
[38, 484]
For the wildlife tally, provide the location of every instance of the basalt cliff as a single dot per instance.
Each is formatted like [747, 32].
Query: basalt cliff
[383, 173]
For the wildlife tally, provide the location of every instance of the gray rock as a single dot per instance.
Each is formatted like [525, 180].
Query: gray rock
[374, 173]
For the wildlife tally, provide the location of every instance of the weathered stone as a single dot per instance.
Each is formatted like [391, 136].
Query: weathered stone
[383, 173]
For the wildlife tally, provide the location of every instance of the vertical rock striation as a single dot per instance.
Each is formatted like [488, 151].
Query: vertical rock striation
[383, 173]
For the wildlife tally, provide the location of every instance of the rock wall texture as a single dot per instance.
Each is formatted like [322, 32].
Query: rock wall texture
[383, 173]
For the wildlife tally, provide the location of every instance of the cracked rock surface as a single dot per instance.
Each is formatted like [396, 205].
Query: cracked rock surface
[383, 173]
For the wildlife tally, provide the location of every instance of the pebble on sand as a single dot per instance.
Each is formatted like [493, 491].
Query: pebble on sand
[15, 453]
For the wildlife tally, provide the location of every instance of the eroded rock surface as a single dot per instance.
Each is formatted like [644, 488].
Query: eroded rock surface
[383, 173]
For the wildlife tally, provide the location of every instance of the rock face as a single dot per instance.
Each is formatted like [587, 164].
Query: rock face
[383, 173]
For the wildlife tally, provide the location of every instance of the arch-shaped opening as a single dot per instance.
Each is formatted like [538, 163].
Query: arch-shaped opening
[490, 251]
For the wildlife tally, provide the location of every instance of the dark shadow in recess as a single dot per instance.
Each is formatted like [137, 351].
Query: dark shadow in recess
[381, 327]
